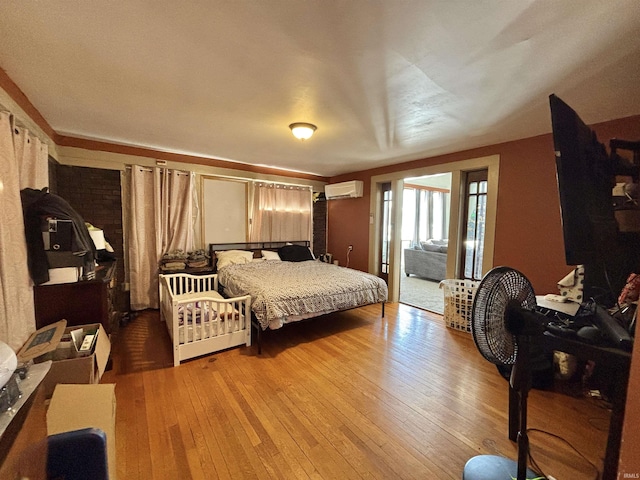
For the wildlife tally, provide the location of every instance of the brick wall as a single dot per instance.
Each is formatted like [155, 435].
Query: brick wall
[95, 194]
[320, 227]
[53, 175]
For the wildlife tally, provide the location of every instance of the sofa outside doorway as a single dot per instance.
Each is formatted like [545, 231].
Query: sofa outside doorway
[427, 260]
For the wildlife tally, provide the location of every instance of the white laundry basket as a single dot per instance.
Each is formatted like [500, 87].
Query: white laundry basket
[458, 303]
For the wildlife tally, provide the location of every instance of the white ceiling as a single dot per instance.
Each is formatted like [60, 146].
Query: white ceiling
[385, 81]
[439, 180]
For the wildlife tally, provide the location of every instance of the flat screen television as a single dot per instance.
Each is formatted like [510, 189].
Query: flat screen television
[586, 177]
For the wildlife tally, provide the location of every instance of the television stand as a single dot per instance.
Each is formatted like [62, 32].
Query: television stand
[618, 362]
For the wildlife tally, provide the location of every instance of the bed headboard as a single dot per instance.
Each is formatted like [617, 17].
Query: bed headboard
[255, 247]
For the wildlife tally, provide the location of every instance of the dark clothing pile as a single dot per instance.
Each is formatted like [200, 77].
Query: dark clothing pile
[38, 205]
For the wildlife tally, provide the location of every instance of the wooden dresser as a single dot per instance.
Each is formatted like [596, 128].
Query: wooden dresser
[79, 303]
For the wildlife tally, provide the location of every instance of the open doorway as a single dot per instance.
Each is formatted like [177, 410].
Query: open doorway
[426, 213]
[391, 237]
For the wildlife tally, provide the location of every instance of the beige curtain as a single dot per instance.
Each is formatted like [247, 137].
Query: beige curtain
[159, 210]
[23, 163]
[33, 156]
[174, 212]
[280, 213]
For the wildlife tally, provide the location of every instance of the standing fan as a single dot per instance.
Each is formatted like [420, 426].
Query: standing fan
[503, 322]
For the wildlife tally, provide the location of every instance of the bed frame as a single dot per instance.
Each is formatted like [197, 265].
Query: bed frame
[256, 325]
[256, 248]
[199, 320]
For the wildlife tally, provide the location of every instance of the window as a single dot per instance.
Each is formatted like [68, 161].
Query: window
[409, 217]
[280, 213]
[425, 215]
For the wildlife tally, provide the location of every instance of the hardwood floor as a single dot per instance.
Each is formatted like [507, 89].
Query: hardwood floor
[348, 396]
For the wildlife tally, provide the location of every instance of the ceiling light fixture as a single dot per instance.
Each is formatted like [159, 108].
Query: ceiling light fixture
[302, 130]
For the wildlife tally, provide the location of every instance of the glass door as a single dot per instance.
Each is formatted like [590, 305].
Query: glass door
[385, 231]
[473, 227]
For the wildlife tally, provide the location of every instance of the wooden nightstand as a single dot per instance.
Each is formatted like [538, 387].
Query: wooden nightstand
[80, 303]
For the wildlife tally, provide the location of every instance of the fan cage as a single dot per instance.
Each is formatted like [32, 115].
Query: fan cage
[497, 288]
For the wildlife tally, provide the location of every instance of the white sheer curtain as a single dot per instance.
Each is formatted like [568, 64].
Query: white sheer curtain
[280, 213]
[23, 163]
[159, 220]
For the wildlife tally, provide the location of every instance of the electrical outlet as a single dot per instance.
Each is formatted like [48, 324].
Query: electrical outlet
[350, 247]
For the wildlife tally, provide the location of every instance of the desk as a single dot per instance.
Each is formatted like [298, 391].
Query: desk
[25, 425]
[618, 362]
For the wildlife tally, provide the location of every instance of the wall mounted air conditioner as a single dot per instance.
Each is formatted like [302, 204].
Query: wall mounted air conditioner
[351, 189]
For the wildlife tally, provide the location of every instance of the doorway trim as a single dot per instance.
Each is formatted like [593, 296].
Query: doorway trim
[491, 163]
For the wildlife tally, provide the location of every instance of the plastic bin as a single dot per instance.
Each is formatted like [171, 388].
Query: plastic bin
[458, 303]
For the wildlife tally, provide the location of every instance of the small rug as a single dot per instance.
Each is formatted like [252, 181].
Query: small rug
[421, 293]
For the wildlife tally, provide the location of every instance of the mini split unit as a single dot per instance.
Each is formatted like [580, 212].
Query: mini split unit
[352, 189]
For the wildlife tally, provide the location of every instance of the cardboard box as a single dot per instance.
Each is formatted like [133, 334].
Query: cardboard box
[68, 366]
[74, 407]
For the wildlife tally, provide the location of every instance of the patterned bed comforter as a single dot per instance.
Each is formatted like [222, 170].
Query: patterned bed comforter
[282, 292]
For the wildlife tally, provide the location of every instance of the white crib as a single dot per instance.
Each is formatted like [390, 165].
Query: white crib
[200, 321]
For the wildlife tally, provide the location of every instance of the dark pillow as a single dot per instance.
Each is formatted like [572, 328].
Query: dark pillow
[295, 253]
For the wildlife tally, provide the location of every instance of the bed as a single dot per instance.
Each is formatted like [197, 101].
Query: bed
[200, 320]
[288, 291]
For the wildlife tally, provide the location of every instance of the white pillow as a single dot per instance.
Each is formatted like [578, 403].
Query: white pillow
[229, 257]
[246, 253]
[438, 242]
[269, 255]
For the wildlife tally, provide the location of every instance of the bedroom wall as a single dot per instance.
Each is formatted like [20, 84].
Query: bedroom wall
[115, 160]
[528, 226]
[109, 156]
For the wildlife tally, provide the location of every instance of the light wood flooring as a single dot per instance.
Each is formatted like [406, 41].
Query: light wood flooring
[347, 396]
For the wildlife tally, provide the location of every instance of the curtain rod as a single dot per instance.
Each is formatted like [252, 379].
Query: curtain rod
[240, 179]
[209, 176]
[150, 169]
[21, 124]
[279, 184]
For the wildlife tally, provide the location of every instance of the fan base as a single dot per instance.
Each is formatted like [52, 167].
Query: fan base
[493, 467]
